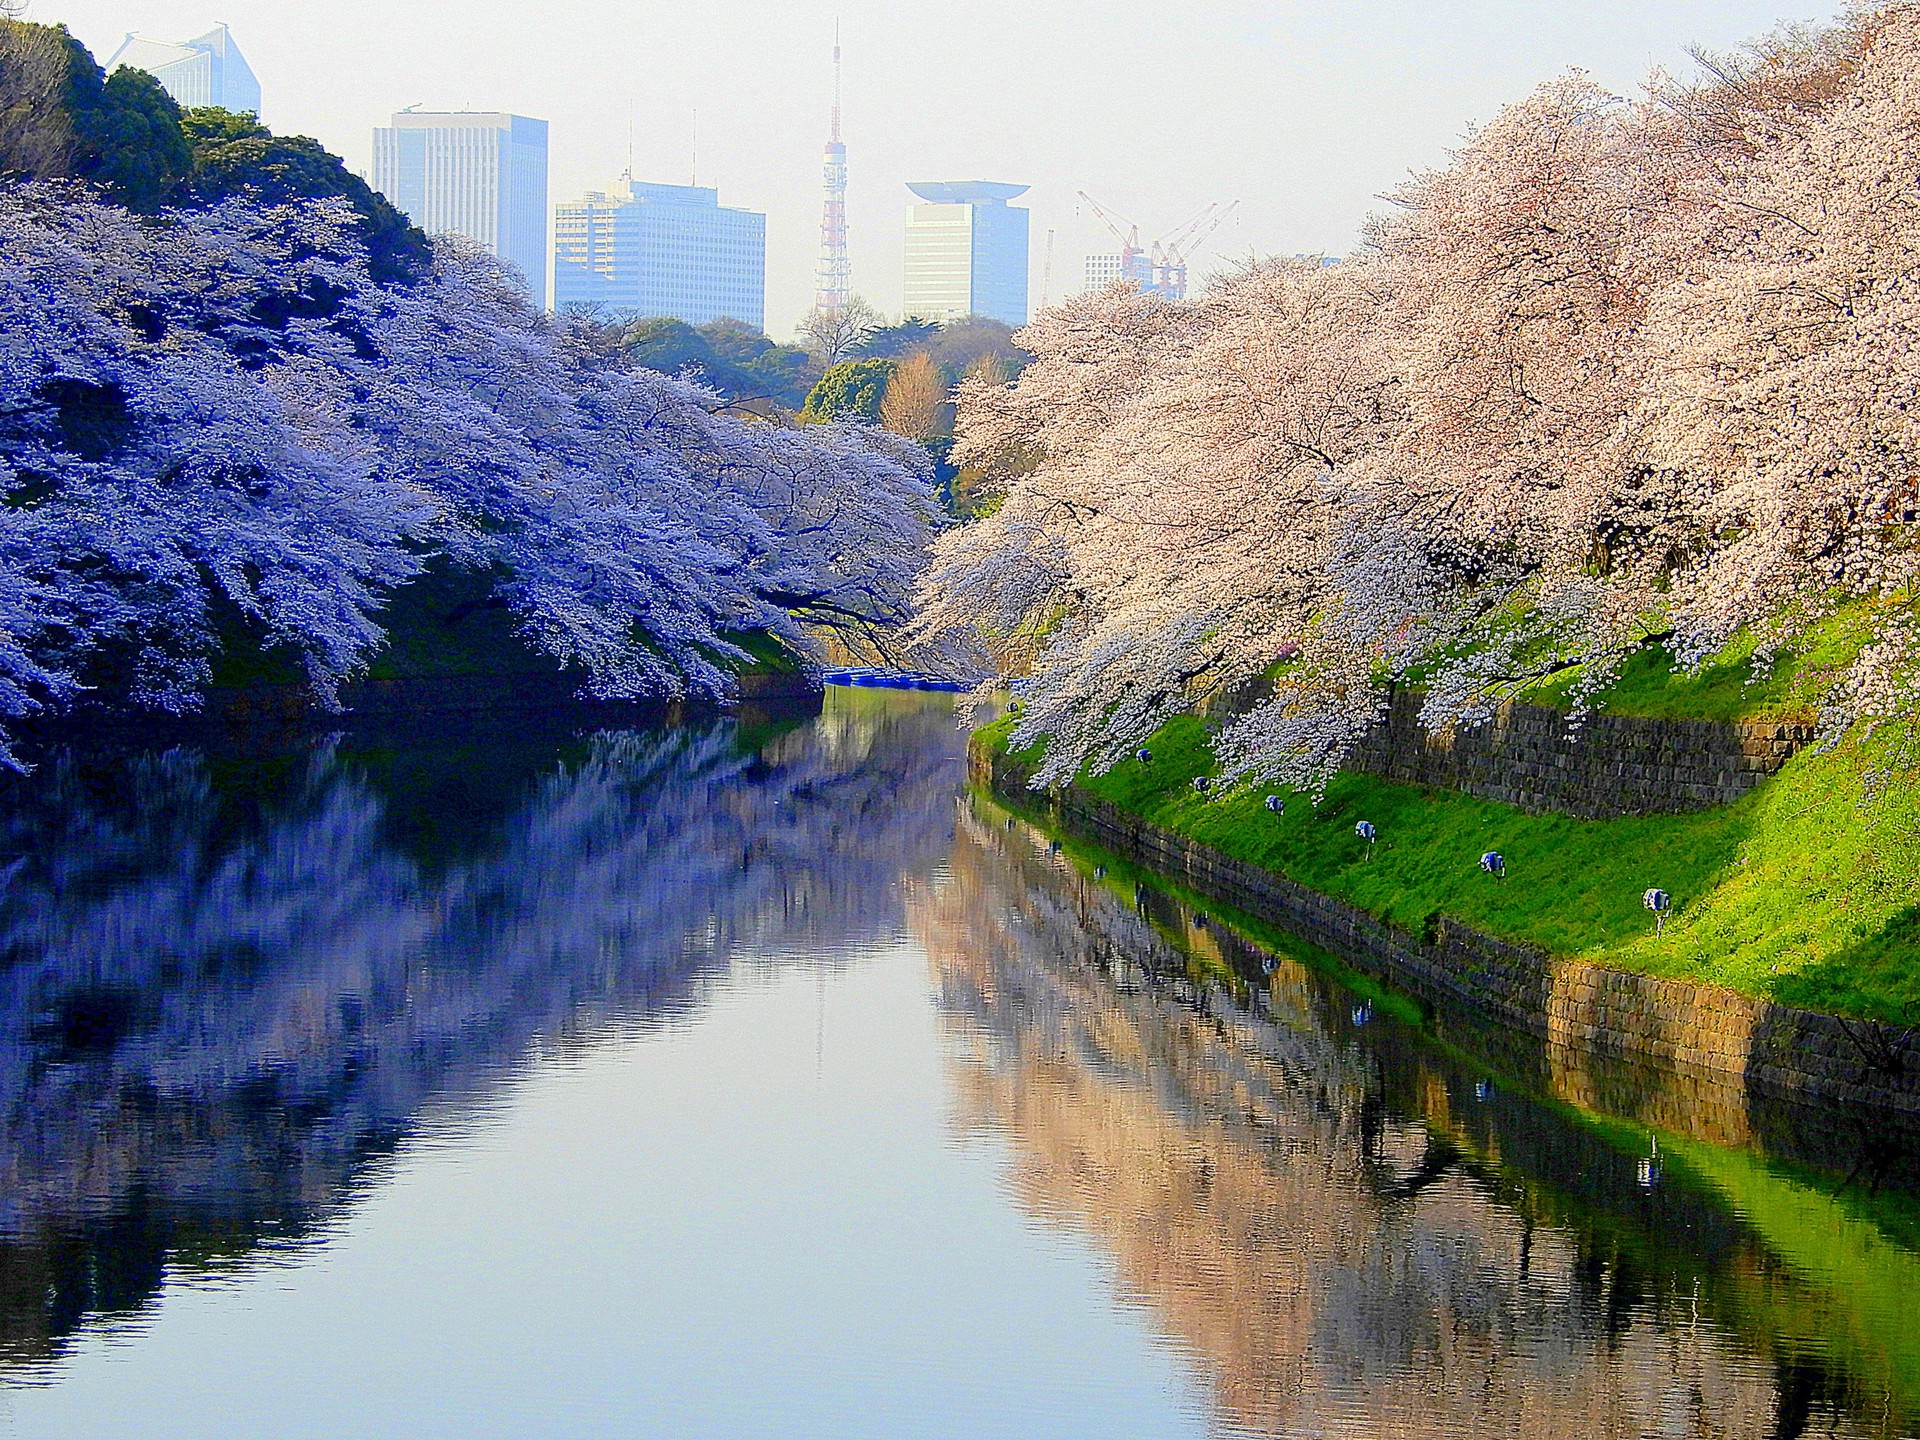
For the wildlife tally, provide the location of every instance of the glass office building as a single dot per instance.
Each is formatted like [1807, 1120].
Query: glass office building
[670, 250]
[966, 251]
[207, 71]
[480, 174]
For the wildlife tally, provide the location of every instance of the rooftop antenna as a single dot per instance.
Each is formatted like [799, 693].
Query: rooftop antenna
[696, 145]
[1046, 274]
[630, 128]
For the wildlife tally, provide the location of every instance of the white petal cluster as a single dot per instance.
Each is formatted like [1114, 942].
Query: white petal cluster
[1622, 371]
[217, 424]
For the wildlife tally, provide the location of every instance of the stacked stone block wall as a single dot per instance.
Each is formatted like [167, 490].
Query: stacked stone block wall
[1611, 765]
[1693, 1029]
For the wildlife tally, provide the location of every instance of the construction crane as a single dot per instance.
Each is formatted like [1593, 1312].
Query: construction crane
[1171, 255]
[1133, 264]
[1162, 266]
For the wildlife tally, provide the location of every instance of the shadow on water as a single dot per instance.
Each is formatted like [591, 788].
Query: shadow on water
[1357, 1219]
[231, 978]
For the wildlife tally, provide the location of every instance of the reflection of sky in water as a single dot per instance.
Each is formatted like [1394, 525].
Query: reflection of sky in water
[700, 1083]
[698, 1231]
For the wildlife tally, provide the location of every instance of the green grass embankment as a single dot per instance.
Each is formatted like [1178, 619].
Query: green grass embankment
[1806, 892]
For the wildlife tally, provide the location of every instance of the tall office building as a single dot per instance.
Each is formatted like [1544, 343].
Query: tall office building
[1102, 270]
[474, 173]
[967, 251]
[661, 250]
[207, 71]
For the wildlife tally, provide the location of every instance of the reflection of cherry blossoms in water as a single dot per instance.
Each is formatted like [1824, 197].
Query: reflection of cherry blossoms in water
[1311, 1214]
[230, 983]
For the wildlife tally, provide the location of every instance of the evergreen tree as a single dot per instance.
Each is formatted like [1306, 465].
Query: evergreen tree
[232, 154]
[851, 390]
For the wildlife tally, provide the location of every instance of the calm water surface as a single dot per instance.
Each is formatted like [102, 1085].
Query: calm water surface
[725, 1080]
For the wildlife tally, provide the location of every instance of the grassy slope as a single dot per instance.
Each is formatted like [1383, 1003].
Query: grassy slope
[1731, 685]
[1801, 892]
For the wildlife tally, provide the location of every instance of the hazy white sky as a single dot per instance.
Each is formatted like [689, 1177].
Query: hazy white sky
[1302, 112]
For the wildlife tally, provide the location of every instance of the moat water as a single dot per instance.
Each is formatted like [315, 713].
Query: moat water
[744, 1080]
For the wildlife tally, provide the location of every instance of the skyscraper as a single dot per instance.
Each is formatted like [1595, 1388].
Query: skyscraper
[967, 251]
[480, 174]
[207, 71]
[835, 280]
[661, 250]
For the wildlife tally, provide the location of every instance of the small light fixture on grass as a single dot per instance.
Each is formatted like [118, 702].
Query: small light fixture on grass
[1143, 755]
[1053, 847]
[1659, 902]
[1277, 804]
[1362, 1013]
[1495, 864]
[1202, 784]
[1099, 872]
[1366, 832]
[1649, 1168]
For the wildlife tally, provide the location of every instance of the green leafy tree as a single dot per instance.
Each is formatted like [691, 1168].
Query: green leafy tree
[851, 390]
[729, 356]
[896, 342]
[62, 118]
[964, 343]
[234, 154]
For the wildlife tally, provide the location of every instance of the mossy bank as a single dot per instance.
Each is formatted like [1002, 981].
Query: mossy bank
[1806, 892]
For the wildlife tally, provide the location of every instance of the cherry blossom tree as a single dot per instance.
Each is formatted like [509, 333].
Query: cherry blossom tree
[1620, 373]
[216, 429]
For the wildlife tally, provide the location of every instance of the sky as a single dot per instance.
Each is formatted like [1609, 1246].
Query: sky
[1303, 113]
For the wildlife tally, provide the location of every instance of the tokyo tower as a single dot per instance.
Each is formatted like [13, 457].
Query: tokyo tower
[834, 281]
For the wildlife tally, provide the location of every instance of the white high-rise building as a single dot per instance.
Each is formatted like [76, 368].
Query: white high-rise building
[207, 71]
[675, 250]
[1102, 270]
[481, 174]
[967, 251]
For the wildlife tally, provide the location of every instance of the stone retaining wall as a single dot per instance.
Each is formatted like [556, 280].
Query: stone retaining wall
[1693, 1028]
[1612, 765]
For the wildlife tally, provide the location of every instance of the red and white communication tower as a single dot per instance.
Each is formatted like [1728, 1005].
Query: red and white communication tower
[834, 283]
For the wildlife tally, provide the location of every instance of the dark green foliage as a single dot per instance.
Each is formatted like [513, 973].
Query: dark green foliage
[945, 472]
[726, 355]
[235, 154]
[93, 419]
[851, 390]
[447, 622]
[62, 119]
[964, 343]
[896, 342]
[452, 621]
[132, 140]
[956, 347]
